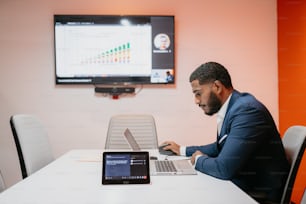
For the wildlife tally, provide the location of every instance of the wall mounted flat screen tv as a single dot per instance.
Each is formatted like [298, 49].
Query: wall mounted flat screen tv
[114, 49]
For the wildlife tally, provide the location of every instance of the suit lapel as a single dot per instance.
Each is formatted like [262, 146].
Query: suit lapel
[224, 129]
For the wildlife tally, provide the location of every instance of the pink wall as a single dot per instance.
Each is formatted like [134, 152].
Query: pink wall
[239, 34]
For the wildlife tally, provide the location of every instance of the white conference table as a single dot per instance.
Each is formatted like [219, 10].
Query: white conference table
[75, 178]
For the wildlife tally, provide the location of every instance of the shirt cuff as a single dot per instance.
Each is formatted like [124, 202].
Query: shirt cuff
[183, 151]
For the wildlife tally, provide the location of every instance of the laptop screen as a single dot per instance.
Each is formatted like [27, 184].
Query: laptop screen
[125, 168]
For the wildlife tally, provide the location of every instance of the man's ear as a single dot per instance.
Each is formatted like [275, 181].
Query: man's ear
[218, 86]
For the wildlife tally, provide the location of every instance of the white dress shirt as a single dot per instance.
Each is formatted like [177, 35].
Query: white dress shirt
[221, 114]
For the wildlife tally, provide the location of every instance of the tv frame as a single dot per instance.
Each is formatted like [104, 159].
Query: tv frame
[120, 80]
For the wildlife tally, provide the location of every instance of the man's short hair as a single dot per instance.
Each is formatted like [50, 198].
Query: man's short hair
[211, 71]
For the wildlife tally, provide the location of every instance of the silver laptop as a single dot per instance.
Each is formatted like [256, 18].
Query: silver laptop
[131, 140]
[163, 167]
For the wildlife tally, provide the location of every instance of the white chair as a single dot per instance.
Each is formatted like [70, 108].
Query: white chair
[142, 127]
[2, 184]
[32, 143]
[294, 141]
[303, 201]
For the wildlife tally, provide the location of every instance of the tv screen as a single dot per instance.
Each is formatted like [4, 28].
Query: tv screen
[104, 49]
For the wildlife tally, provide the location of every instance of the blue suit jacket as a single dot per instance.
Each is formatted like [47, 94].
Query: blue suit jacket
[248, 150]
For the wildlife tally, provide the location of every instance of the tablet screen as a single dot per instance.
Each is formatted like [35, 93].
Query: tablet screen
[125, 168]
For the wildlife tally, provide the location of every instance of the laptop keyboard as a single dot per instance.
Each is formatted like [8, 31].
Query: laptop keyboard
[165, 166]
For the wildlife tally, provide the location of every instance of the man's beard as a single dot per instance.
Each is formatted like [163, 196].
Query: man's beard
[213, 104]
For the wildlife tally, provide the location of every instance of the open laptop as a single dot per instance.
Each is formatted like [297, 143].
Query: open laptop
[163, 167]
[131, 140]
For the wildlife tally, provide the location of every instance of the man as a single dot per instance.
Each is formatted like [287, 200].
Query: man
[170, 77]
[248, 150]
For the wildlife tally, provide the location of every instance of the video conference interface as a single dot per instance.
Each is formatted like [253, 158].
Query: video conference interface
[125, 166]
[113, 46]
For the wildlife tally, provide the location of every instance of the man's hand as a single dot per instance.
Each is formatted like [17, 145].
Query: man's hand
[172, 146]
[193, 157]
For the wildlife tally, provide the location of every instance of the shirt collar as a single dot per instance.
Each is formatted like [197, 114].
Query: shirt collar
[221, 113]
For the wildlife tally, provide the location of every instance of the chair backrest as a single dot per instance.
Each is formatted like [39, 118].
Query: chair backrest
[303, 201]
[294, 141]
[142, 127]
[2, 184]
[31, 139]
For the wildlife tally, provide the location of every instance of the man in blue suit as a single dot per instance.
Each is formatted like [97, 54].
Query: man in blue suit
[248, 150]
